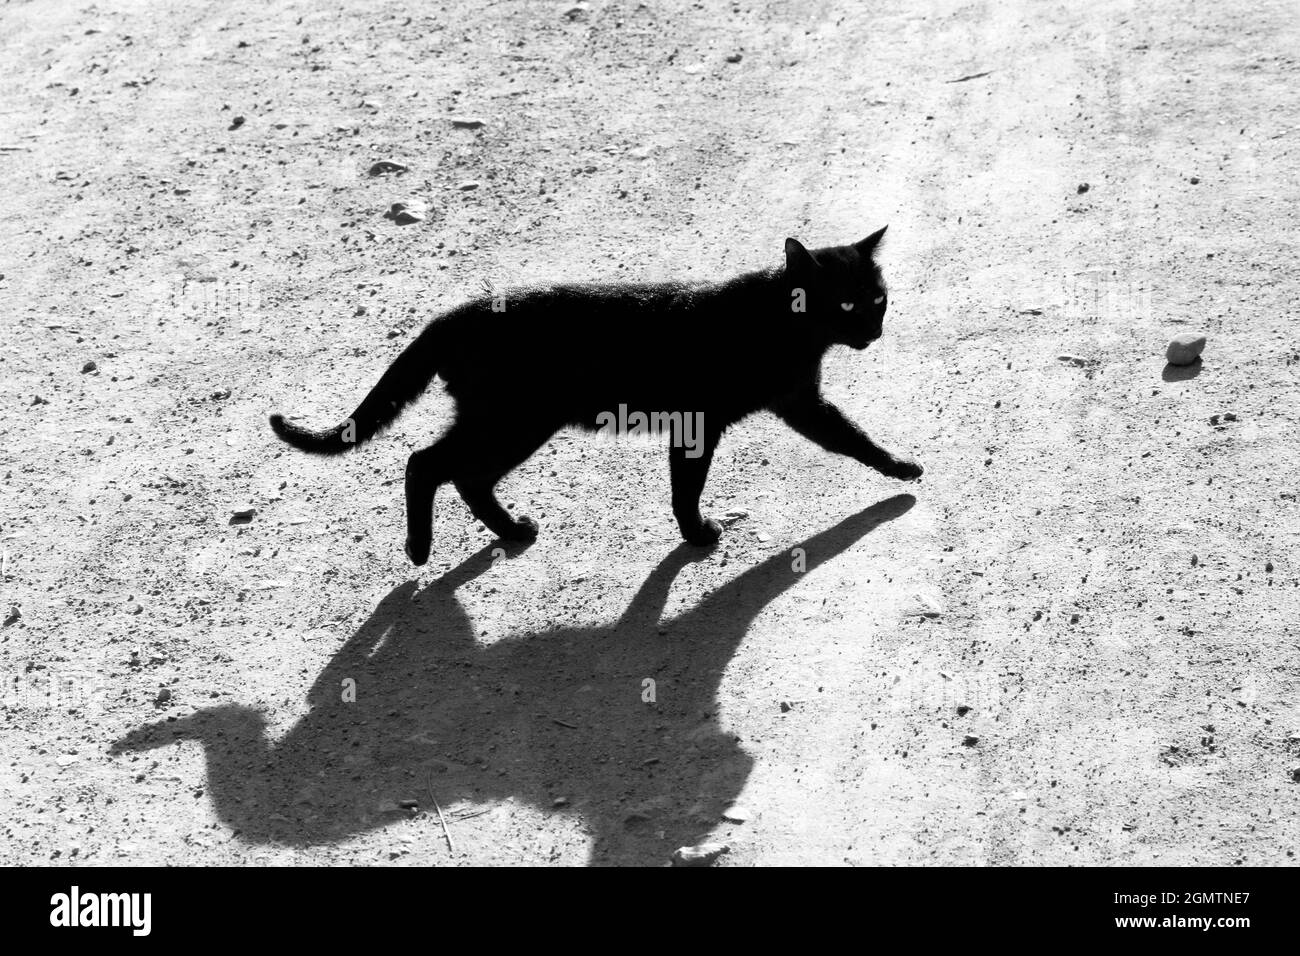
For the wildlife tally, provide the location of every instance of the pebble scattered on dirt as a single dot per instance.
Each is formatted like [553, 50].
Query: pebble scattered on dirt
[1077, 360]
[702, 854]
[736, 814]
[385, 166]
[1185, 348]
[408, 212]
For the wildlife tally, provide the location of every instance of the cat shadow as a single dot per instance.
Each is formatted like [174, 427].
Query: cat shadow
[560, 714]
[1181, 373]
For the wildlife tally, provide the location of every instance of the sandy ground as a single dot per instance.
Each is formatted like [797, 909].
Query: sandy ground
[1073, 643]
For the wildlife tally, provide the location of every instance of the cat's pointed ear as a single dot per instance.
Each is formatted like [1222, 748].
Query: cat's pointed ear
[797, 258]
[868, 245]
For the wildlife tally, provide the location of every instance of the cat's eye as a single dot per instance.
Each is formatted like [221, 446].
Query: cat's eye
[878, 299]
[846, 306]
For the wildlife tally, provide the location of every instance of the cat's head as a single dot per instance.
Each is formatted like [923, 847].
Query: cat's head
[840, 288]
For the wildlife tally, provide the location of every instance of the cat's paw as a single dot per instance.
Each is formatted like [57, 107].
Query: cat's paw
[707, 532]
[902, 469]
[524, 529]
[417, 551]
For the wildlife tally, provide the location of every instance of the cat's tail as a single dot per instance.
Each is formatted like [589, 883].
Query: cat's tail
[408, 376]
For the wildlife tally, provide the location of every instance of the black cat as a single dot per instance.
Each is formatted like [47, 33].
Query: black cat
[523, 365]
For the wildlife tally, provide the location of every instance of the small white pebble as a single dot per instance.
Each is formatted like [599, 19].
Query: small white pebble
[1185, 348]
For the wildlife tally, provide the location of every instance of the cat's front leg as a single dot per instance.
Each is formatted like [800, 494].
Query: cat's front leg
[689, 469]
[821, 421]
[904, 469]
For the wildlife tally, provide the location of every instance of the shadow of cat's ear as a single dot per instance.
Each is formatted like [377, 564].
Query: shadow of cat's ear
[868, 245]
[797, 258]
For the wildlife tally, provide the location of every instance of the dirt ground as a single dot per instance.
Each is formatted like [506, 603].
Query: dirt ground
[1073, 643]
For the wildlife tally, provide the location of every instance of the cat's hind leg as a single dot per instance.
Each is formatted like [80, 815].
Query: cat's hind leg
[426, 469]
[482, 501]
[483, 467]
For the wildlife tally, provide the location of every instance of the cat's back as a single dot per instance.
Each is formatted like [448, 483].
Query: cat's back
[588, 316]
[649, 341]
